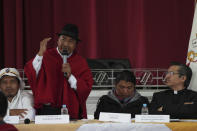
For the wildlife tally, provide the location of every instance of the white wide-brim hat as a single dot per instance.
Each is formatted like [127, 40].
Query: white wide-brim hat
[12, 72]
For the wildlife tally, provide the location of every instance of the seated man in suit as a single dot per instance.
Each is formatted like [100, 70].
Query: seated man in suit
[3, 110]
[178, 101]
[19, 102]
[123, 98]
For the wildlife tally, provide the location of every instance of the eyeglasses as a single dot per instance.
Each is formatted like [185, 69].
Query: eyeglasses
[171, 73]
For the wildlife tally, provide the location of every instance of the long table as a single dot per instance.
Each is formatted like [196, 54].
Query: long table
[182, 126]
[174, 126]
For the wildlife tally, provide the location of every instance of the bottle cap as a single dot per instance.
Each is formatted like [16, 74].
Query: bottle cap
[144, 105]
[64, 106]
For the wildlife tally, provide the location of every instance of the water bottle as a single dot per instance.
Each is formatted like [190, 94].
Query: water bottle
[144, 110]
[64, 110]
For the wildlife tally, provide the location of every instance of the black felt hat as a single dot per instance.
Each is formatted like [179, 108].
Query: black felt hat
[70, 30]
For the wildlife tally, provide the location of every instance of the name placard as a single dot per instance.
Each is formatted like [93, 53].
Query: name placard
[115, 117]
[152, 118]
[12, 119]
[52, 119]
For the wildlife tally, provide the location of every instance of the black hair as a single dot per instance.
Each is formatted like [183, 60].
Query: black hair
[127, 76]
[3, 105]
[184, 70]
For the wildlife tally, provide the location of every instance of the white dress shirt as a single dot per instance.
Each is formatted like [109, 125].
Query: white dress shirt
[37, 62]
[22, 100]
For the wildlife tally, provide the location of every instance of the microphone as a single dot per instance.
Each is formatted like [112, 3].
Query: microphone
[65, 55]
[27, 121]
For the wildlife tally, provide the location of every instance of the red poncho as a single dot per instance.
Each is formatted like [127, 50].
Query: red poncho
[7, 127]
[50, 86]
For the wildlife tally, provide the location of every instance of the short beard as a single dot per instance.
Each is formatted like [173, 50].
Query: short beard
[10, 96]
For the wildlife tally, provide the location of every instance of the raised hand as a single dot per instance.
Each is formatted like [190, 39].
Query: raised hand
[43, 46]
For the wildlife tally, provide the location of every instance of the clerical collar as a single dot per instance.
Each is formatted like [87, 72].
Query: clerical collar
[175, 92]
[61, 54]
[178, 92]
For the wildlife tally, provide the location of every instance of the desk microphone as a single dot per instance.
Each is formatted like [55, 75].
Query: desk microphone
[65, 56]
[27, 121]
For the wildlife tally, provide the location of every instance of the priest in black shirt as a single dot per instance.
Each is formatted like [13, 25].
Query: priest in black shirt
[178, 102]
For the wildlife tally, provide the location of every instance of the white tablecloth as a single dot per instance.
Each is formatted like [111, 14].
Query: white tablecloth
[123, 127]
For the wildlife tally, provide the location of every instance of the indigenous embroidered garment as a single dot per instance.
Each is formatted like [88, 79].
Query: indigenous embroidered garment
[50, 85]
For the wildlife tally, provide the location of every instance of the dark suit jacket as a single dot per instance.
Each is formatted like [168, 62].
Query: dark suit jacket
[173, 104]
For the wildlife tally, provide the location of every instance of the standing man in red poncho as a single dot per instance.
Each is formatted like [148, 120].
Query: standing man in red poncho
[55, 82]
